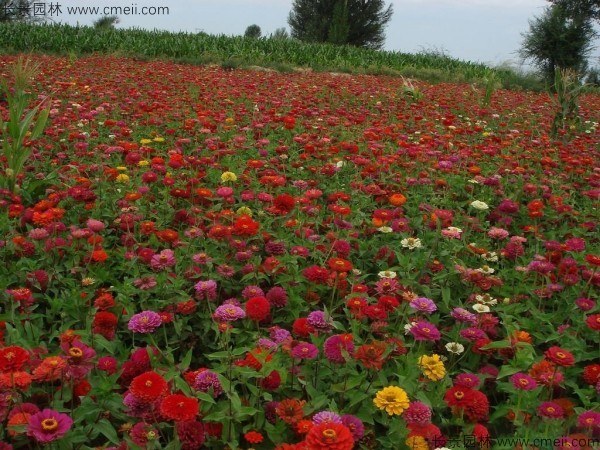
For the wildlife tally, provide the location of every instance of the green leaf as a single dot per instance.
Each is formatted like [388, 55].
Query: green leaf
[106, 428]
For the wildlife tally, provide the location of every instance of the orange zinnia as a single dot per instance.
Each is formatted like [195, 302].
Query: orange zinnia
[290, 410]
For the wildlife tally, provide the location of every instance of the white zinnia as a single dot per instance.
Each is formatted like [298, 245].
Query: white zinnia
[477, 204]
[455, 347]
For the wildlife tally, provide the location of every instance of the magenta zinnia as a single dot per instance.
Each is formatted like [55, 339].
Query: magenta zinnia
[48, 425]
[425, 331]
[144, 322]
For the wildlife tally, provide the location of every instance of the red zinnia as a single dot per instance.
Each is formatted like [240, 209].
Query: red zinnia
[13, 358]
[591, 374]
[254, 437]
[316, 274]
[339, 265]
[290, 410]
[330, 436]
[245, 226]
[594, 260]
[178, 407]
[559, 356]
[258, 308]
[458, 396]
[148, 387]
[284, 203]
[593, 322]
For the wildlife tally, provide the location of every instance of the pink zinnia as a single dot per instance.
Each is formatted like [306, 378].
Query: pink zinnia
[337, 347]
[162, 260]
[206, 289]
[425, 331]
[417, 413]
[550, 410]
[48, 425]
[144, 322]
[589, 419]
[498, 233]
[523, 381]
[305, 350]
[277, 297]
[95, 225]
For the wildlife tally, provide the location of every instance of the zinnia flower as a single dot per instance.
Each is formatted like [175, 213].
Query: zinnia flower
[48, 425]
[523, 381]
[432, 367]
[477, 204]
[392, 400]
[411, 243]
[336, 347]
[305, 350]
[13, 358]
[330, 436]
[417, 413]
[423, 304]
[206, 380]
[290, 410]
[253, 437]
[191, 434]
[425, 331]
[229, 313]
[550, 410]
[326, 417]
[148, 387]
[178, 407]
[258, 308]
[144, 322]
[560, 356]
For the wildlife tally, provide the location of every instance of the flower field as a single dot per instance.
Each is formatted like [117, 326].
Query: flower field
[202, 258]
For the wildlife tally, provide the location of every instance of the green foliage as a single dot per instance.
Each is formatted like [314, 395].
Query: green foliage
[280, 33]
[106, 22]
[568, 89]
[587, 9]
[253, 31]
[22, 123]
[555, 40]
[340, 26]
[354, 22]
[17, 10]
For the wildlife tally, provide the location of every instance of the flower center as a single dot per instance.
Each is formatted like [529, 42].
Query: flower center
[458, 395]
[329, 434]
[49, 424]
[75, 352]
[9, 356]
[148, 383]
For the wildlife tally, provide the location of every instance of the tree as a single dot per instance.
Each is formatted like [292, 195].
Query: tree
[106, 22]
[586, 9]
[253, 31]
[20, 10]
[359, 23]
[556, 40]
[280, 33]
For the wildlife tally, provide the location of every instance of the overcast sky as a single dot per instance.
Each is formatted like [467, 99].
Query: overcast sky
[487, 31]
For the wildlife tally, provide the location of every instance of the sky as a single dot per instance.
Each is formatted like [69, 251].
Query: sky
[487, 31]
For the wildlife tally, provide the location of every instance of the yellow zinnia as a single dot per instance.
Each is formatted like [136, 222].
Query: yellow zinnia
[392, 400]
[122, 178]
[432, 367]
[244, 210]
[228, 176]
[417, 443]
